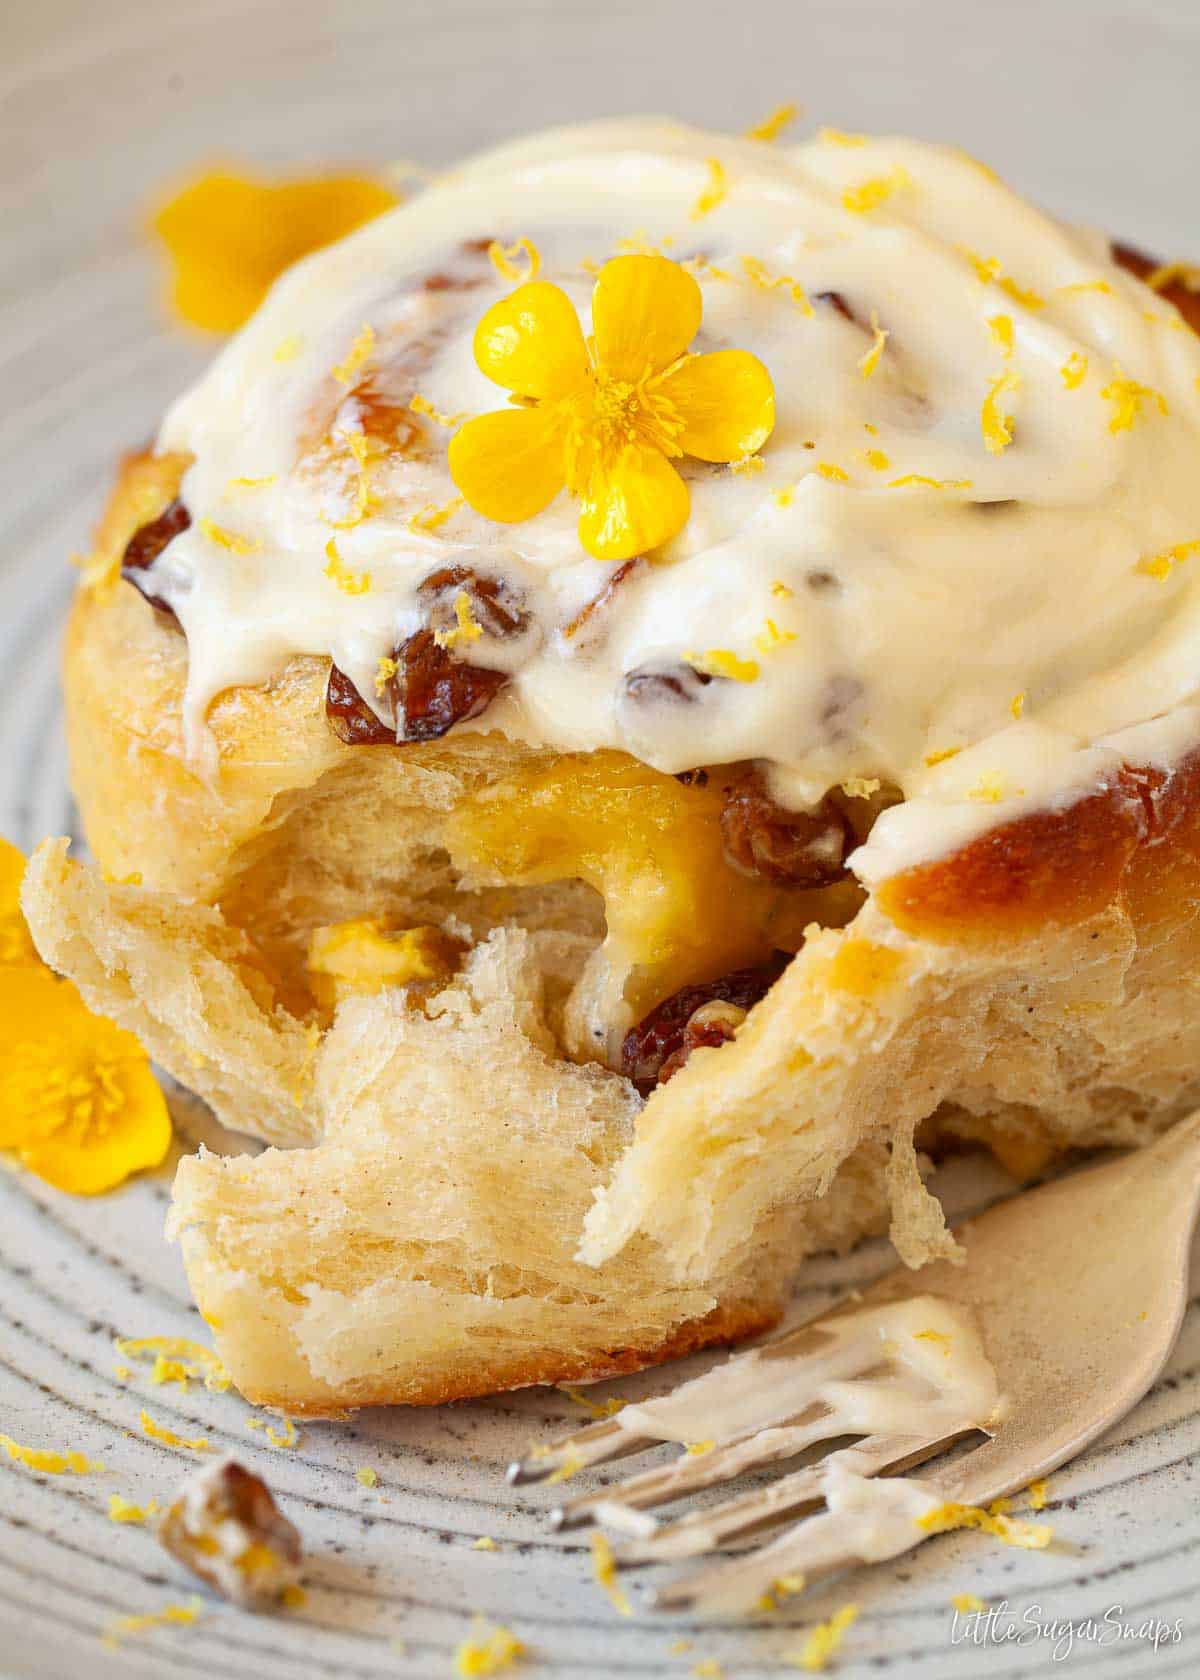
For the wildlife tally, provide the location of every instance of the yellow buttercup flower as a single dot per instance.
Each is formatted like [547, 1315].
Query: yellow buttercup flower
[78, 1104]
[229, 236]
[606, 418]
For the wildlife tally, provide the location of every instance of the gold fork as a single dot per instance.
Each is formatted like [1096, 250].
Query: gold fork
[1077, 1290]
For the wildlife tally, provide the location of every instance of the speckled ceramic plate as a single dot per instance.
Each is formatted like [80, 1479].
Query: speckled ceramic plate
[99, 104]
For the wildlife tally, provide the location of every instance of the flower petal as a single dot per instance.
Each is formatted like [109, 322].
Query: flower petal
[508, 464]
[645, 313]
[727, 402]
[85, 1161]
[531, 342]
[639, 503]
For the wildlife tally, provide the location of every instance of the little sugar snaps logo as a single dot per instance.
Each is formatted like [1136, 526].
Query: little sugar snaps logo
[997, 1624]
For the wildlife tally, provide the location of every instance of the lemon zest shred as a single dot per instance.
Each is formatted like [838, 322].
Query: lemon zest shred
[485, 1543]
[1039, 1494]
[940, 757]
[715, 191]
[1001, 329]
[229, 539]
[431, 519]
[1074, 370]
[1077, 286]
[1016, 705]
[121, 1511]
[873, 193]
[774, 124]
[698, 1449]
[840, 137]
[169, 1370]
[366, 1477]
[708, 1668]
[996, 426]
[358, 355]
[385, 670]
[876, 459]
[920, 479]
[573, 1462]
[823, 1640]
[832, 472]
[171, 1615]
[1031, 1536]
[421, 405]
[723, 662]
[198, 1360]
[988, 790]
[285, 1438]
[757, 272]
[869, 362]
[597, 1408]
[348, 581]
[604, 1568]
[47, 1461]
[773, 637]
[1161, 565]
[781, 591]
[168, 1437]
[252, 483]
[966, 1602]
[505, 260]
[476, 1658]
[1127, 398]
[466, 629]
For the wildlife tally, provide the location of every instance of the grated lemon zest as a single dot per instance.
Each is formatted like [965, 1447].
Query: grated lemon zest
[781, 591]
[873, 193]
[868, 363]
[422, 405]
[1039, 1494]
[573, 1462]
[840, 137]
[988, 790]
[466, 629]
[996, 426]
[349, 582]
[773, 125]
[761, 276]
[747, 465]
[1084, 286]
[357, 357]
[714, 192]
[773, 637]
[121, 1511]
[385, 670]
[177, 1615]
[1127, 397]
[485, 1543]
[988, 270]
[251, 483]
[698, 1449]
[823, 1640]
[708, 1668]
[168, 1437]
[1017, 704]
[967, 1601]
[285, 1438]
[597, 1408]
[505, 260]
[723, 662]
[432, 518]
[366, 1477]
[835, 474]
[1161, 566]
[876, 459]
[288, 348]
[1001, 329]
[604, 1568]
[1031, 1536]
[940, 757]
[199, 1361]
[47, 1461]
[481, 1657]
[920, 479]
[229, 539]
[1074, 370]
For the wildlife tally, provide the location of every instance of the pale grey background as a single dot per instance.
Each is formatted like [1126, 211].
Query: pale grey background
[1087, 105]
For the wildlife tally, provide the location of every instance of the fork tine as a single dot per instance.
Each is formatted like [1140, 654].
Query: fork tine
[690, 1472]
[734, 1519]
[813, 1546]
[596, 1443]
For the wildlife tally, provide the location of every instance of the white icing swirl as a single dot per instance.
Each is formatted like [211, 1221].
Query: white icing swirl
[911, 618]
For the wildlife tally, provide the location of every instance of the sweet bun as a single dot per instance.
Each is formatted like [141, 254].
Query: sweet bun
[591, 941]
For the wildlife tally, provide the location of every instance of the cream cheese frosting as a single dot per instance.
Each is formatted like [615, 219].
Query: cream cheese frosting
[960, 565]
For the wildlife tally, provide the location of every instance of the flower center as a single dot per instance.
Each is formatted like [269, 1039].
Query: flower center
[82, 1097]
[608, 416]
